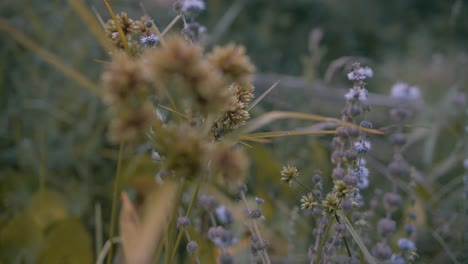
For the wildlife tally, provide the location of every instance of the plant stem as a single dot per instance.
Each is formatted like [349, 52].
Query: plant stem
[179, 236]
[114, 200]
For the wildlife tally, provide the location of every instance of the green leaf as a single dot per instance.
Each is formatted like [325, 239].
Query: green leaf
[67, 242]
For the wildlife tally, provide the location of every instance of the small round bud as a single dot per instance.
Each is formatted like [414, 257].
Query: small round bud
[381, 251]
[406, 244]
[350, 180]
[242, 188]
[337, 142]
[178, 6]
[392, 200]
[399, 114]
[148, 24]
[207, 202]
[386, 227]
[329, 250]
[342, 132]
[354, 110]
[255, 213]
[192, 247]
[338, 173]
[366, 124]
[346, 205]
[226, 258]
[336, 156]
[409, 229]
[350, 155]
[398, 139]
[397, 168]
[259, 201]
[316, 178]
[183, 222]
[353, 131]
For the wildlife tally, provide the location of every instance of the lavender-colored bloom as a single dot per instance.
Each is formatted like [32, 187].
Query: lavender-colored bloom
[465, 164]
[192, 246]
[362, 146]
[223, 214]
[221, 237]
[360, 74]
[406, 244]
[150, 40]
[366, 71]
[192, 6]
[360, 172]
[363, 183]
[397, 259]
[351, 94]
[356, 94]
[404, 91]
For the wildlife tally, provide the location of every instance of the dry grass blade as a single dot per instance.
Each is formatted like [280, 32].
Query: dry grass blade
[94, 26]
[119, 28]
[48, 57]
[262, 96]
[285, 134]
[141, 236]
[276, 115]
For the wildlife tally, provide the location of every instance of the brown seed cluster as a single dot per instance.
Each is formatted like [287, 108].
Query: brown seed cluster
[196, 87]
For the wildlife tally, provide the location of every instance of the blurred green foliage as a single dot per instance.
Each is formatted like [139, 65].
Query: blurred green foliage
[56, 162]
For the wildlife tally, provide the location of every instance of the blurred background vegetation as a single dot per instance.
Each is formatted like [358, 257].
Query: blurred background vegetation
[57, 165]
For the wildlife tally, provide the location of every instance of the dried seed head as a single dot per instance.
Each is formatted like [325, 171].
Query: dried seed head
[198, 81]
[229, 163]
[127, 25]
[341, 189]
[131, 124]
[124, 79]
[184, 149]
[233, 63]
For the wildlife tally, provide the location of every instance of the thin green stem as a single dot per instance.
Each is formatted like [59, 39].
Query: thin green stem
[326, 234]
[179, 236]
[114, 200]
[310, 190]
[344, 238]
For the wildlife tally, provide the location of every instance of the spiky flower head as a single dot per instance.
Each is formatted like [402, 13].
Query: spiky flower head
[331, 204]
[128, 27]
[341, 189]
[308, 202]
[289, 174]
